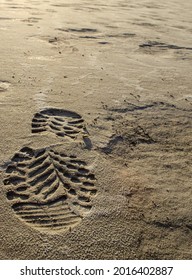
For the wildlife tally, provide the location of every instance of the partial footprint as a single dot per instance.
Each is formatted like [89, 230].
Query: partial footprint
[60, 122]
[49, 189]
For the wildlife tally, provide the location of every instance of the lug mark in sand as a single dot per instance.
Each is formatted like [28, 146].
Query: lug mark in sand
[4, 85]
[60, 122]
[49, 189]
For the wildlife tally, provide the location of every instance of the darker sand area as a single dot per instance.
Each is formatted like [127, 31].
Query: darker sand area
[96, 129]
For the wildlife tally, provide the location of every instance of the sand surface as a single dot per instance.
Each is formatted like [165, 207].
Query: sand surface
[96, 129]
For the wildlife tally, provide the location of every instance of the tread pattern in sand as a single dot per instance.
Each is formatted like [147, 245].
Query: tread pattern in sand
[49, 189]
[60, 122]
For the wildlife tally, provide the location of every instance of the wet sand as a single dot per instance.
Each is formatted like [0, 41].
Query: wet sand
[96, 129]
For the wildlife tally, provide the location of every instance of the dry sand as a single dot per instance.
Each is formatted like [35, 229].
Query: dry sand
[96, 130]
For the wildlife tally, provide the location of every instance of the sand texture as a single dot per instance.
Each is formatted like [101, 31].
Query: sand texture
[96, 129]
